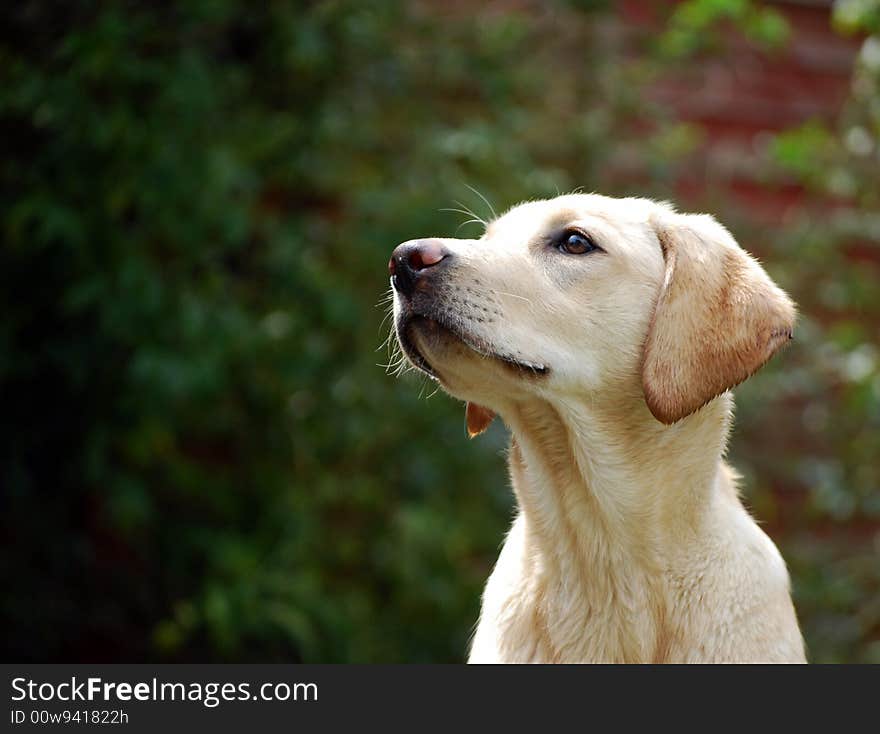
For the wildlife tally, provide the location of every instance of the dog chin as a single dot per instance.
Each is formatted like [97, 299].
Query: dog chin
[428, 344]
[439, 350]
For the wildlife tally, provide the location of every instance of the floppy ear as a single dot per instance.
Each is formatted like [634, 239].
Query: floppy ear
[718, 318]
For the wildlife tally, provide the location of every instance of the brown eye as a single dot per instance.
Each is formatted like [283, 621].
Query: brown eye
[575, 243]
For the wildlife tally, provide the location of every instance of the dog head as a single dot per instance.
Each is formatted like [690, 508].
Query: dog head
[584, 294]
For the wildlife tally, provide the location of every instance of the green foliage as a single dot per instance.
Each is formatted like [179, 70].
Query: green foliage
[857, 16]
[835, 264]
[843, 162]
[804, 151]
[698, 25]
[202, 459]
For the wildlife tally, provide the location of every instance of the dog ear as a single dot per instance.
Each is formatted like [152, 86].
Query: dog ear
[718, 318]
[477, 419]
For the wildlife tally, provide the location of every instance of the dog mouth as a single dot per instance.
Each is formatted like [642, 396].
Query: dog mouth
[430, 325]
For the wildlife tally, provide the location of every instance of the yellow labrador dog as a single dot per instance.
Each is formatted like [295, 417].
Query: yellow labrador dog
[606, 333]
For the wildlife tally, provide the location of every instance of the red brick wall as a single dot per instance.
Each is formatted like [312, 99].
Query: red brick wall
[740, 96]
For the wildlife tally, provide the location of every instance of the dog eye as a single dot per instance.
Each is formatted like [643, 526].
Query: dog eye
[575, 243]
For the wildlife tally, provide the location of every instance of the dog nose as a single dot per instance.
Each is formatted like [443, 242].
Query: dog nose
[410, 260]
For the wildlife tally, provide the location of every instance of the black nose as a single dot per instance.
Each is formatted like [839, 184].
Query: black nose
[410, 260]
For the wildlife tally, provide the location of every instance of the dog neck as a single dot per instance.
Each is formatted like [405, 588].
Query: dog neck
[609, 500]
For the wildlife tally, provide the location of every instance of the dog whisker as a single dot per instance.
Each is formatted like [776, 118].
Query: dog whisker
[436, 390]
[469, 221]
[491, 208]
[467, 212]
[513, 295]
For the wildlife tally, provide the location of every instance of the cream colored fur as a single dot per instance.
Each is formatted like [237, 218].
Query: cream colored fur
[630, 543]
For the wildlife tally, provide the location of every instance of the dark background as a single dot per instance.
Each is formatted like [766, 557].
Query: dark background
[202, 459]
